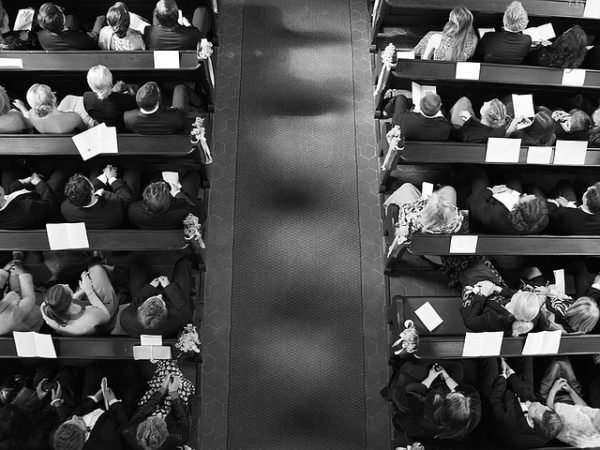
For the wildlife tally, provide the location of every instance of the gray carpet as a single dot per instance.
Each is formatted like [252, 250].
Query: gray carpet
[297, 358]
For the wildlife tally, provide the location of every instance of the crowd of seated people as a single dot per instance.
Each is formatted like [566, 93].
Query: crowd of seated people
[76, 407]
[52, 30]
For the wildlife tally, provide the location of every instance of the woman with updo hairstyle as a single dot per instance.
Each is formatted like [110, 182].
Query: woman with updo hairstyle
[89, 310]
[117, 35]
[11, 120]
[457, 42]
[44, 115]
[467, 128]
[566, 52]
[536, 131]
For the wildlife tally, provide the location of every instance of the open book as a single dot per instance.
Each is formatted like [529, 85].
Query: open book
[96, 141]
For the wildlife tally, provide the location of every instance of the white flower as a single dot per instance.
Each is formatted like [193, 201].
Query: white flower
[206, 49]
[388, 55]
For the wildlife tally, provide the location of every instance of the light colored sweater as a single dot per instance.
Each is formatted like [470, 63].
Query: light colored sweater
[580, 425]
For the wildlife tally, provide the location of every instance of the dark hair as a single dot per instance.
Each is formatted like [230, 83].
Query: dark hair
[157, 197]
[69, 436]
[51, 18]
[148, 96]
[593, 198]
[152, 433]
[580, 120]
[79, 190]
[13, 423]
[118, 19]
[58, 300]
[166, 13]
[531, 216]
[540, 132]
[452, 416]
[569, 49]
[548, 426]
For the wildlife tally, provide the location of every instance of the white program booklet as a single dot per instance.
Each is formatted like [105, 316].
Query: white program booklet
[31, 344]
[64, 236]
[543, 343]
[483, 344]
[429, 316]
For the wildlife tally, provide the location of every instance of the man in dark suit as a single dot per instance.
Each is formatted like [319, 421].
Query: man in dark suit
[154, 118]
[519, 420]
[54, 37]
[167, 34]
[428, 124]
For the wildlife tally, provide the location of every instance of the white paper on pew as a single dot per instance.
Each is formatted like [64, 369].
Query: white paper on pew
[11, 63]
[137, 22]
[592, 9]
[523, 105]
[508, 198]
[405, 55]
[166, 59]
[426, 189]
[573, 77]
[64, 236]
[95, 141]
[463, 244]
[149, 352]
[24, 20]
[482, 31]
[539, 155]
[570, 153]
[32, 344]
[171, 178]
[503, 150]
[542, 343]
[151, 339]
[559, 280]
[483, 344]
[467, 70]
[418, 91]
[429, 316]
[542, 33]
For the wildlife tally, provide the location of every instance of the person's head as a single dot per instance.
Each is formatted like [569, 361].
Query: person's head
[13, 423]
[100, 81]
[569, 48]
[79, 190]
[529, 215]
[70, 435]
[583, 314]
[580, 120]
[148, 96]
[452, 415]
[459, 27]
[591, 198]
[493, 113]
[166, 13]
[546, 422]
[596, 117]
[41, 99]
[541, 130]
[152, 433]
[515, 17]
[118, 19]
[58, 301]
[157, 197]
[51, 18]
[439, 216]
[152, 312]
[431, 103]
[524, 305]
[5, 103]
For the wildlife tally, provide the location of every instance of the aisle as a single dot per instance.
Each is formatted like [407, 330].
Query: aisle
[296, 360]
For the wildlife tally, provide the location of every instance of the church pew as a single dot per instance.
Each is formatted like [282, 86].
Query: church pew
[447, 340]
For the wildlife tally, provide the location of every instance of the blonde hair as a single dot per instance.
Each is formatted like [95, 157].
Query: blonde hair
[515, 17]
[459, 27]
[583, 314]
[41, 99]
[524, 305]
[4, 102]
[596, 117]
[495, 113]
[100, 81]
[437, 215]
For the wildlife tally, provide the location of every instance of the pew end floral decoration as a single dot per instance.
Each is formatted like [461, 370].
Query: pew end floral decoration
[395, 141]
[188, 342]
[192, 230]
[408, 341]
[205, 49]
[198, 136]
[388, 55]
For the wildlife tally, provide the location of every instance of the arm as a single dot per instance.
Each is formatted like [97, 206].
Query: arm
[175, 296]
[146, 291]
[182, 422]
[117, 411]
[480, 206]
[147, 408]
[27, 302]
[122, 190]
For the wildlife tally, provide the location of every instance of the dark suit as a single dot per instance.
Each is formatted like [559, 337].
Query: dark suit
[67, 40]
[106, 434]
[503, 47]
[490, 213]
[163, 121]
[569, 221]
[177, 38]
[30, 210]
[181, 206]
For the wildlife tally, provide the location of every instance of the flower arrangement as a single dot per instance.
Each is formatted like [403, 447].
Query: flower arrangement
[192, 230]
[205, 49]
[388, 55]
[408, 340]
[198, 136]
[189, 341]
[395, 141]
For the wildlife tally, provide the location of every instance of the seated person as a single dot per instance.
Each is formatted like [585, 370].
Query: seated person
[510, 45]
[568, 218]
[107, 103]
[427, 125]
[148, 431]
[99, 203]
[572, 125]
[167, 34]
[161, 306]
[566, 52]
[594, 141]
[469, 129]
[529, 215]
[44, 115]
[519, 420]
[29, 202]
[74, 103]
[117, 35]
[154, 118]
[54, 34]
[536, 131]
[18, 310]
[164, 206]
[89, 310]
[11, 120]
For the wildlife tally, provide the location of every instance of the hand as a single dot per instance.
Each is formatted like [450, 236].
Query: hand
[165, 383]
[559, 384]
[464, 115]
[85, 284]
[174, 383]
[110, 172]
[8, 266]
[26, 180]
[56, 392]
[36, 178]
[500, 188]
[433, 372]
[20, 106]
[39, 391]
[154, 283]
[119, 86]
[562, 201]
[17, 269]
[164, 281]
[486, 288]
[109, 395]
